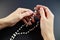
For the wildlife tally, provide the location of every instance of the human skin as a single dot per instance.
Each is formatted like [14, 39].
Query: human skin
[14, 17]
[46, 22]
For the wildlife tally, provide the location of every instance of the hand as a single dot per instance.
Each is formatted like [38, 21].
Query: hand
[46, 22]
[17, 15]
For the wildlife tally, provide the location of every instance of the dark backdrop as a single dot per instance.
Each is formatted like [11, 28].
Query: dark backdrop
[8, 6]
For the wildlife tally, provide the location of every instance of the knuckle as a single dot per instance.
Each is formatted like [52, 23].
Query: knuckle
[38, 5]
[43, 18]
[46, 7]
[18, 8]
[23, 9]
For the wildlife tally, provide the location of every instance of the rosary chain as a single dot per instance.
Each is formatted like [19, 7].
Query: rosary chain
[20, 33]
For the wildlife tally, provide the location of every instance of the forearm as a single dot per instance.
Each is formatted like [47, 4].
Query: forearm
[10, 20]
[4, 23]
[48, 36]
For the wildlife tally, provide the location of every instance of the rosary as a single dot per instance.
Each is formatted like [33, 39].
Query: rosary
[21, 33]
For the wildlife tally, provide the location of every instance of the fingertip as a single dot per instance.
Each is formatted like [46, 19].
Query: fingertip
[29, 23]
[35, 8]
[39, 5]
[30, 11]
[41, 10]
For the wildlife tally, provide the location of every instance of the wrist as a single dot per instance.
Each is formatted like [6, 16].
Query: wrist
[4, 23]
[48, 36]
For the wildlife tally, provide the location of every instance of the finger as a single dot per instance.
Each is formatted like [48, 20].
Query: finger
[24, 20]
[38, 7]
[47, 11]
[23, 9]
[32, 19]
[28, 13]
[42, 13]
[36, 11]
[28, 20]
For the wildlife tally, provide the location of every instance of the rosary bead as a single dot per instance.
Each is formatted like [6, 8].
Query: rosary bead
[30, 19]
[14, 35]
[15, 32]
[19, 28]
[11, 39]
[28, 32]
[23, 32]
[20, 33]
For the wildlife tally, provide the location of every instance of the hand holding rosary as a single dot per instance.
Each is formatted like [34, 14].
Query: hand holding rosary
[36, 19]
